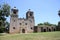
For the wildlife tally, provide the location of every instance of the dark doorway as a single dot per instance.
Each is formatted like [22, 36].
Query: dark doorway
[35, 29]
[44, 30]
[49, 30]
[54, 29]
[23, 30]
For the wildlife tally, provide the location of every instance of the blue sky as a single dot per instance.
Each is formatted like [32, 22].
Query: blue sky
[44, 10]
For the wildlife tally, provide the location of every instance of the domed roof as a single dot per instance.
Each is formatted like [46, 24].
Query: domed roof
[29, 11]
[14, 9]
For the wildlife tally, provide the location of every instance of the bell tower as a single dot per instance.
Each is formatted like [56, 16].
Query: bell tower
[14, 20]
[30, 17]
[29, 14]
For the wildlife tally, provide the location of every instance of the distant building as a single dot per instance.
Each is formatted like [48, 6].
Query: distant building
[21, 25]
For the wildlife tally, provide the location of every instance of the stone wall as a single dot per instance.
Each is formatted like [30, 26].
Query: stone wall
[44, 28]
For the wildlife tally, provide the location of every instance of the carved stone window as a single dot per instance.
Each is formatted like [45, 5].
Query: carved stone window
[14, 11]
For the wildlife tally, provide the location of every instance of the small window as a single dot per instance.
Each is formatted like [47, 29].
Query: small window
[20, 24]
[25, 23]
[13, 27]
[31, 27]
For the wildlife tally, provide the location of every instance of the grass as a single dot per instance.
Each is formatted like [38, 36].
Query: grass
[32, 36]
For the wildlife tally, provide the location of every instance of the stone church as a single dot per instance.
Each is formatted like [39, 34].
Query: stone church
[21, 25]
[26, 25]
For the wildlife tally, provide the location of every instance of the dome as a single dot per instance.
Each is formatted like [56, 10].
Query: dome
[14, 9]
[29, 11]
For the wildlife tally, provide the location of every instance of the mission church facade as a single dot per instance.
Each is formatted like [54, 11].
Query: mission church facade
[21, 25]
[26, 25]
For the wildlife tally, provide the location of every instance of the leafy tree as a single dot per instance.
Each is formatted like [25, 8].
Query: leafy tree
[47, 23]
[40, 24]
[4, 12]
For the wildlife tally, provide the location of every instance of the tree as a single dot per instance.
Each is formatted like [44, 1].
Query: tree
[47, 23]
[58, 27]
[4, 12]
[40, 24]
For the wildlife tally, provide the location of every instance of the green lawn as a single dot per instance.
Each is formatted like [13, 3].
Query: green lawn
[32, 36]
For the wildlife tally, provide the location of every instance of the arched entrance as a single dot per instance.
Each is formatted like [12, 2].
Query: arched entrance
[49, 30]
[23, 30]
[54, 29]
[44, 30]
